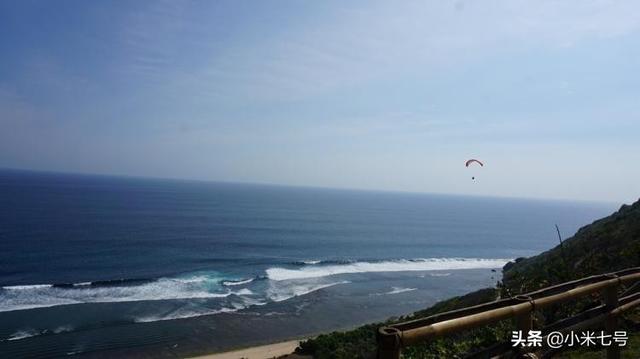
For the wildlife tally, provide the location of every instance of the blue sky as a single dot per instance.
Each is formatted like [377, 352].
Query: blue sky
[371, 95]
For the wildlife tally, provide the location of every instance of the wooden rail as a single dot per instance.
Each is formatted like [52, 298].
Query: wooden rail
[391, 339]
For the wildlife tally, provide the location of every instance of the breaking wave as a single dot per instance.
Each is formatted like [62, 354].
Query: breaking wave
[440, 274]
[28, 333]
[427, 264]
[213, 293]
[48, 295]
[396, 290]
[22, 334]
[230, 283]
[183, 315]
[278, 293]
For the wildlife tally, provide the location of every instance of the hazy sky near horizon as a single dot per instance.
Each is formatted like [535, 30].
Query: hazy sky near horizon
[361, 94]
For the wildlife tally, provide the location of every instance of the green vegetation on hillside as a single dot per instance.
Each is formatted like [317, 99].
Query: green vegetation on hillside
[361, 342]
[607, 245]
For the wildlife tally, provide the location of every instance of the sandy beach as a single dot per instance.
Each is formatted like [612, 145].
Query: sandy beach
[275, 350]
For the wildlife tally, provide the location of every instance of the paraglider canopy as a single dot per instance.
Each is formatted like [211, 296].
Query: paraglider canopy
[469, 162]
[472, 161]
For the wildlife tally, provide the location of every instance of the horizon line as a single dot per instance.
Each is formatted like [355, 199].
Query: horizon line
[302, 186]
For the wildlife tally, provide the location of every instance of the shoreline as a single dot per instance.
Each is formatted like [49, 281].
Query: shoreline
[274, 350]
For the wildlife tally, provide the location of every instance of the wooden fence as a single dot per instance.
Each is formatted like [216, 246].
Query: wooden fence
[392, 339]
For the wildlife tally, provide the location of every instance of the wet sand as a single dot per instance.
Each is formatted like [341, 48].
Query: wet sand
[260, 352]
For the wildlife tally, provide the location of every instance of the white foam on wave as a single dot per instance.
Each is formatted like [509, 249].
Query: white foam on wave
[22, 334]
[38, 296]
[183, 314]
[29, 333]
[439, 274]
[193, 279]
[26, 287]
[311, 262]
[62, 329]
[243, 291]
[397, 290]
[194, 310]
[427, 264]
[279, 293]
[237, 282]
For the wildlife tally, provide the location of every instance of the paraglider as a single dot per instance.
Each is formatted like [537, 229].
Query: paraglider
[471, 161]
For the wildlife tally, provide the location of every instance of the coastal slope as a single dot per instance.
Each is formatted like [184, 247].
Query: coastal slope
[606, 245]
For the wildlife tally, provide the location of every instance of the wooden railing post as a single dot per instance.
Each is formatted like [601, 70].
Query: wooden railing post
[389, 343]
[524, 321]
[610, 296]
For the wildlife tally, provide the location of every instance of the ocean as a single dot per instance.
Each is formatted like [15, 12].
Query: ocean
[101, 266]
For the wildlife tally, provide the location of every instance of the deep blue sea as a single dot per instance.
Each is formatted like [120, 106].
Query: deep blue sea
[96, 265]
